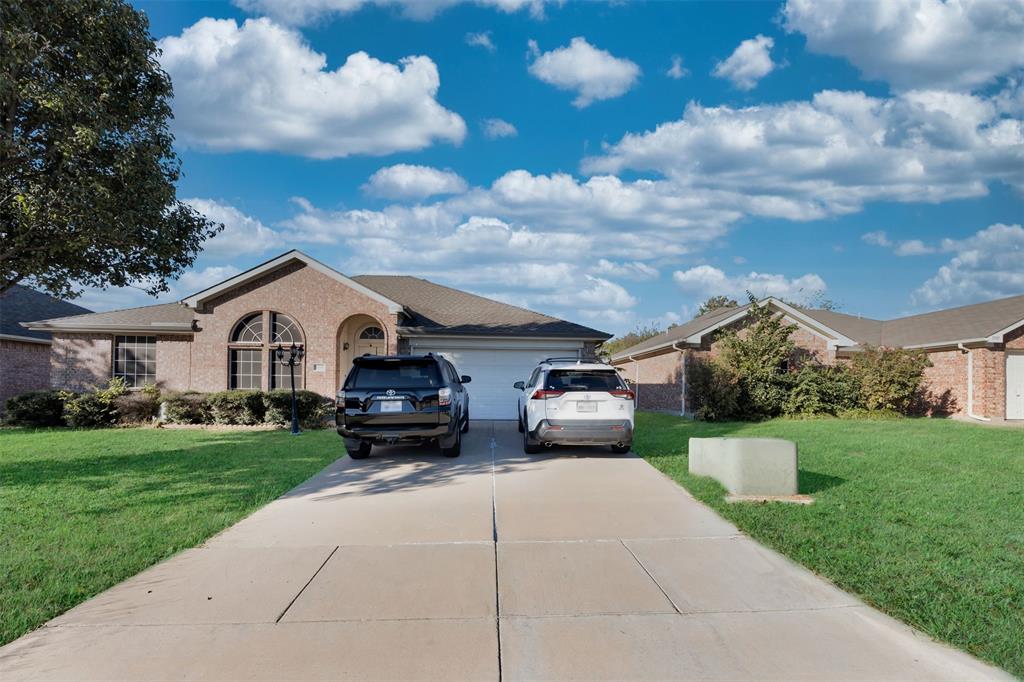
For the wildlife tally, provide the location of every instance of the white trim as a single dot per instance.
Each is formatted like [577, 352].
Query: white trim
[403, 334]
[943, 344]
[116, 329]
[1001, 334]
[25, 339]
[494, 343]
[196, 299]
[970, 385]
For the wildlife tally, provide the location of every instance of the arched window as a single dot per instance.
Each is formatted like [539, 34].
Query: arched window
[249, 345]
[372, 333]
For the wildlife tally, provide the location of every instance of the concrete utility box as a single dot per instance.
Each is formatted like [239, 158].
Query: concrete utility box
[747, 466]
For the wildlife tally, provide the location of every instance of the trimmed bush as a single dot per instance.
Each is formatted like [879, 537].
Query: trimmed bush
[36, 408]
[91, 410]
[137, 408]
[822, 390]
[189, 407]
[311, 407]
[236, 407]
[715, 390]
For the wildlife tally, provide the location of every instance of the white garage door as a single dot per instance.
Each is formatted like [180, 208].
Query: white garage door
[495, 366]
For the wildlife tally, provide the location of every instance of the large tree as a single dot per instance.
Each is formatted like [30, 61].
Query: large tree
[87, 167]
[714, 303]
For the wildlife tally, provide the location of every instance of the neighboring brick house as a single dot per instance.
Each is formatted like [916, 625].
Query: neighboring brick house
[224, 337]
[976, 353]
[25, 353]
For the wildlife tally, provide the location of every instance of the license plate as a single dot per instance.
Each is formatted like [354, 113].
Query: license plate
[586, 406]
[391, 406]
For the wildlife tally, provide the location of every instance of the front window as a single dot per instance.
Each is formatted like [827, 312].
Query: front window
[372, 333]
[135, 360]
[246, 368]
[583, 380]
[250, 343]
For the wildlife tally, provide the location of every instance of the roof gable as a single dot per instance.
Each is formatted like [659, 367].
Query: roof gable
[196, 300]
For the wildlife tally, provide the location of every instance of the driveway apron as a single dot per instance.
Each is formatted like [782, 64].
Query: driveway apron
[496, 565]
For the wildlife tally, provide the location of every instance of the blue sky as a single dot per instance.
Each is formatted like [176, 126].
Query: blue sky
[871, 154]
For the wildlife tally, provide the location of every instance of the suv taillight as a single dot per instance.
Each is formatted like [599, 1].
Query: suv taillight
[444, 396]
[623, 393]
[544, 395]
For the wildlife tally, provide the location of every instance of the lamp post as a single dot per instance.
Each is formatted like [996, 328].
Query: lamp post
[295, 354]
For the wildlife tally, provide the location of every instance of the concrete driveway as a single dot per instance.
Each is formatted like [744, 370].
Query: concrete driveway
[571, 564]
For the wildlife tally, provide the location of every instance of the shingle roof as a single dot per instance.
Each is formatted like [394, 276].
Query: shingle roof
[22, 304]
[977, 321]
[167, 317]
[437, 309]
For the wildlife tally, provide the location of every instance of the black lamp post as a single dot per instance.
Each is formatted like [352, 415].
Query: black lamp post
[295, 354]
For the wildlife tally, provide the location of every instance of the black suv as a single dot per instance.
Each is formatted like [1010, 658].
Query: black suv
[410, 398]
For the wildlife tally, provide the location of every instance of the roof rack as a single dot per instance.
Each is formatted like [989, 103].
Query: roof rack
[576, 359]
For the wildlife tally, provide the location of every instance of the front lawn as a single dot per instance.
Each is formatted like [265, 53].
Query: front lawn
[923, 519]
[83, 510]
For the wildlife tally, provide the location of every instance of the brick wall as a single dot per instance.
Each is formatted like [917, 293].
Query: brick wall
[174, 362]
[317, 303]
[80, 362]
[24, 366]
[656, 380]
[945, 384]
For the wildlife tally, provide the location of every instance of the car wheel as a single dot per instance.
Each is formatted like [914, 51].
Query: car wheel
[361, 452]
[465, 426]
[529, 447]
[621, 449]
[456, 449]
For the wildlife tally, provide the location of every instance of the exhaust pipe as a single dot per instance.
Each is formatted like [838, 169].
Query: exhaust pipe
[548, 444]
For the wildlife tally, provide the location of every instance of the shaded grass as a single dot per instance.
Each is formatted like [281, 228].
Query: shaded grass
[81, 510]
[923, 519]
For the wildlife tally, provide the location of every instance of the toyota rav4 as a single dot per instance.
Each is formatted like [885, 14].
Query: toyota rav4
[575, 402]
[402, 398]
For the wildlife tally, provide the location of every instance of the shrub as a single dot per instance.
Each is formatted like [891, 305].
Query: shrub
[311, 408]
[822, 390]
[96, 409]
[889, 378]
[236, 407]
[137, 408]
[36, 408]
[715, 390]
[186, 408]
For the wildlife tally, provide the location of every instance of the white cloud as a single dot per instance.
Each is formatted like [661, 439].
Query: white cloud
[242, 234]
[482, 39]
[703, 281]
[909, 247]
[958, 44]
[677, 70]
[594, 74]
[304, 12]
[830, 155]
[260, 87]
[749, 63]
[404, 181]
[636, 270]
[985, 266]
[495, 128]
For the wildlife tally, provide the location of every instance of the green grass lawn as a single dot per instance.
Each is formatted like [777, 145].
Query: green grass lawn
[923, 519]
[83, 510]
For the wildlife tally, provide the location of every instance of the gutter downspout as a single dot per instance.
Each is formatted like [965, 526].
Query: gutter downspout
[636, 380]
[970, 384]
[682, 378]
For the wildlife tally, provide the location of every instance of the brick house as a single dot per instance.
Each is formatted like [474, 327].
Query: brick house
[25, 353]
[223, 337]
[976, 353]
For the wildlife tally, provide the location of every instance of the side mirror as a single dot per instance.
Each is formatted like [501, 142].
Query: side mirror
[520, 385]
[465, 378]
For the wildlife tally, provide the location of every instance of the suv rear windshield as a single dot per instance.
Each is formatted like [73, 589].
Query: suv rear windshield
[394, 374]
[583, 380]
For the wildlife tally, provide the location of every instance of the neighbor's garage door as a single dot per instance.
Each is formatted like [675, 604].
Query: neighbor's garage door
[494, 369]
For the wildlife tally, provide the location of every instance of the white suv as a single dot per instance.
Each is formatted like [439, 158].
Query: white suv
[575, 402]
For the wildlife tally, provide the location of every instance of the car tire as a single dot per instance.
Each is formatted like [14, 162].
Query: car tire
[465, 426]
[361, 452]
[621, 449]
[456, 449]
[529, 447]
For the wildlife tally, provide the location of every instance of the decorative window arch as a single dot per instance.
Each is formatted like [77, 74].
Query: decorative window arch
[373, 332]
[252, 361]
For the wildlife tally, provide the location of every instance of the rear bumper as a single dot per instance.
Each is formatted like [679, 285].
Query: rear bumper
[583, 432]
[395, 434]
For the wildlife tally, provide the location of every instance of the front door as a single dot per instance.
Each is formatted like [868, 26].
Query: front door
[370, 341]
[1015, 385]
